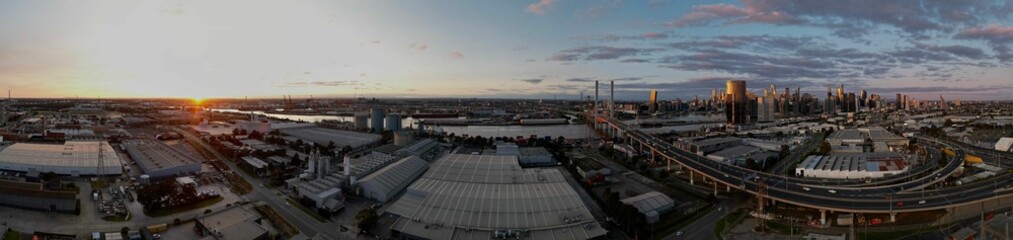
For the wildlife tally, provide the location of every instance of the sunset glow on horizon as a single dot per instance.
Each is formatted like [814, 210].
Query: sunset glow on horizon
[523, 49]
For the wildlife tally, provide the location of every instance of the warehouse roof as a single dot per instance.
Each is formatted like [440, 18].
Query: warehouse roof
[488, 195]
[650, 201]
[152, 156]
[233, 223]
[396, 174]
[324, 136]
[68, 154]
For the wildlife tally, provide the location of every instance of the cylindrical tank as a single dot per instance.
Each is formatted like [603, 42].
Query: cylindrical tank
[393, 122]
[145, 179]
[361, 121]
[376, 119]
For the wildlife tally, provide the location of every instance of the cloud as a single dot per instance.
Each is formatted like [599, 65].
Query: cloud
[593, 53]
[623, 79]
[456, 55]
[419, 47]
[850, 19]
[994, 34]
[540, 7]
[533, 80]
[617, 37]
[319, 84]
[599, 8]
[634, 60]
[958, 50]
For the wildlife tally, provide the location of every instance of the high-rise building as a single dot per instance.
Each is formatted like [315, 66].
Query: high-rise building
[652, 106]
[863, 100]
[850, 104]
[840, 96]
[900, 102]
[735, 102]
[376, 119]
[764, 109]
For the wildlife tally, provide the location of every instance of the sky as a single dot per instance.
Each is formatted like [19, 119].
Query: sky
[538, 49]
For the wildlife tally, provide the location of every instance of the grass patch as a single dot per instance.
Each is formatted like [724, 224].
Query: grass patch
[783, 229]
[306, 210]
[184, 208]
[728, 222]
[12, 235]
[101, 183]
[117, 218]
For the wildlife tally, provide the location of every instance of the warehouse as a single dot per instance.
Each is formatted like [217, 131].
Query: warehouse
[388, 181]
[651, 204]
[160, 161]
[33, 196]
[465, 196]
[325, 136]
[236, 222]
[853, 166]
[73, 158]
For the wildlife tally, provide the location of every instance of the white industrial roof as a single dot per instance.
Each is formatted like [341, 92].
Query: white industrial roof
[650, 201]
[394, 177]
[1004, 144]
[79, 156]
[485, 194]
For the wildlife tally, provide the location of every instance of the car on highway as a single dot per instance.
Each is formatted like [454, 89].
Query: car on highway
[832, 191]
[921, 202]
[806, 189]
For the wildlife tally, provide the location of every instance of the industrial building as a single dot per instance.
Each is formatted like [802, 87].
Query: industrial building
[464, 196]
[361, 121]
[425, 149]
[853, 166]
[159, 161]
[325, 136]
[236, 222]
[651, 204]
[1003, 145]
[711, 145]
[865, 140]
[75, 158]
[33, 196]
[386, 182]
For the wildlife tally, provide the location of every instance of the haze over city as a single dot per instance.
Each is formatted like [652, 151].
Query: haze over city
[500, 49]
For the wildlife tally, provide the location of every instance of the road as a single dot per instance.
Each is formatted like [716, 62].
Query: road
[306, 224]
[874, 199]
[703, 228]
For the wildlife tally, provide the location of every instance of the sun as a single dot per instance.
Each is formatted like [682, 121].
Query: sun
[197, 100]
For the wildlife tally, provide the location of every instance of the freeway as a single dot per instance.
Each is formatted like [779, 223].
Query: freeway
[872, 199]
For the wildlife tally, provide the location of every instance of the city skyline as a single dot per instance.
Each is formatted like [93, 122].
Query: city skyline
[521, 49]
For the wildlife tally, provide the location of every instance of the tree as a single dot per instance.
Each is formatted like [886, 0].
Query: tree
[366, 219]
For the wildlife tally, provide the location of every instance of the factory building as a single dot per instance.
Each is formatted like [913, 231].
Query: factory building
[425, 149]
[651, 204]
[853, 166]
[528, 203]
[711, 145]
[383, 184]
[33, 196]
[865, 140]
[159, 161]
[236, 222]
[1003, 145]
[75, 158]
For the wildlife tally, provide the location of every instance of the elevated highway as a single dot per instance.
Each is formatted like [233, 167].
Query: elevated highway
[818, 194]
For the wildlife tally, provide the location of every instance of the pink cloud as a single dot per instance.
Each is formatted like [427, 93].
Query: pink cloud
[653, 35]
[992, 33]
[705, 13]
[540, 7]
[456, 55]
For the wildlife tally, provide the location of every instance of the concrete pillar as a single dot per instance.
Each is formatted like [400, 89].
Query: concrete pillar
[669, 162]
[728, 188]
[823, 217]
[715, 186]
[893, 217]
[691, 177]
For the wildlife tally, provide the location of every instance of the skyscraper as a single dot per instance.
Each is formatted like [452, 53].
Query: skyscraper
[764, 109]
[652, 106]
[735, 102]
[900, 102]
[840, 96]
